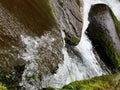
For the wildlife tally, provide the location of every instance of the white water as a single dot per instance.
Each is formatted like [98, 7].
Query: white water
[72, 68]
[30, 75]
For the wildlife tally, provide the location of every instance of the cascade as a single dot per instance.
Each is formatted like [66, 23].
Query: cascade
[72, 69]
[90, 66]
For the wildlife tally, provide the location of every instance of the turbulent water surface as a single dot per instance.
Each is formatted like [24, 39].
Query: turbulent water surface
[90, 64]
[29, 35]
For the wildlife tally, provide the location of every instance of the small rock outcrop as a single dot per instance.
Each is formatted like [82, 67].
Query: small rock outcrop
[71, 39]
[104, 32]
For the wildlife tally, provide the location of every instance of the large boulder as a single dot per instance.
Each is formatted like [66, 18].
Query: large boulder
[104, 32]
[30, 42]
[68, 14]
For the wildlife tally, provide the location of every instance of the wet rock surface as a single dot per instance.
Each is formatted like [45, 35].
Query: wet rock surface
[68, 15]
[30, 42]
[69, 18]
[30, 39]
[103, 30]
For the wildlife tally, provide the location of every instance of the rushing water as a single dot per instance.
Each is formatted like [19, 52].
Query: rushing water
[74, 69]
[90, 65]
[71, 69]
[30, 77]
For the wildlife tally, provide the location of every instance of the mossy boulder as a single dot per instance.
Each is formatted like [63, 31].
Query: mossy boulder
[107, 82]
[104, 32]
[71, 39]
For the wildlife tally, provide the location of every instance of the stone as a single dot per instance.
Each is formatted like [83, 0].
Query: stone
[103, 31]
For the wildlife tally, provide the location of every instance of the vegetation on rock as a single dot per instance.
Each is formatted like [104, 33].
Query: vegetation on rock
[116, 22]
[102, 36]
[49, 88]
[71, 40]
[3, 87]
[107, 82]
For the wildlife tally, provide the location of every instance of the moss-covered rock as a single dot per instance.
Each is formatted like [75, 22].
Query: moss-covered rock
[108, 82]
[116, 22]
[49, 88]
[71, 39]
[104, 30]
[3, 87]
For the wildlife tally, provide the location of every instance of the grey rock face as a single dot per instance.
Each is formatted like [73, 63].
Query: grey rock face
[30, 38]
[104, 32]
[68, 14]
[30, 41]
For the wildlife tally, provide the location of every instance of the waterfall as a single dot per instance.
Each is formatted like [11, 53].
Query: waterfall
[72, 68]
[90, 65]
[30, 77]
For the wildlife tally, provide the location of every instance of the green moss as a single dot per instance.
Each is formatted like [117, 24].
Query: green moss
[117, 26]
[3, 87]
[72, 40]
[105, 46]
[110, 50]
[51, 10]
[86, 85]
[103, 42]
[108, 82]
[50, 88]
[116, 22]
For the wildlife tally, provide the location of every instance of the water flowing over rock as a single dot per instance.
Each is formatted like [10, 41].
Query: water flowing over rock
[31, 44]
[104, 30]
[106, 82]
[39, 44]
